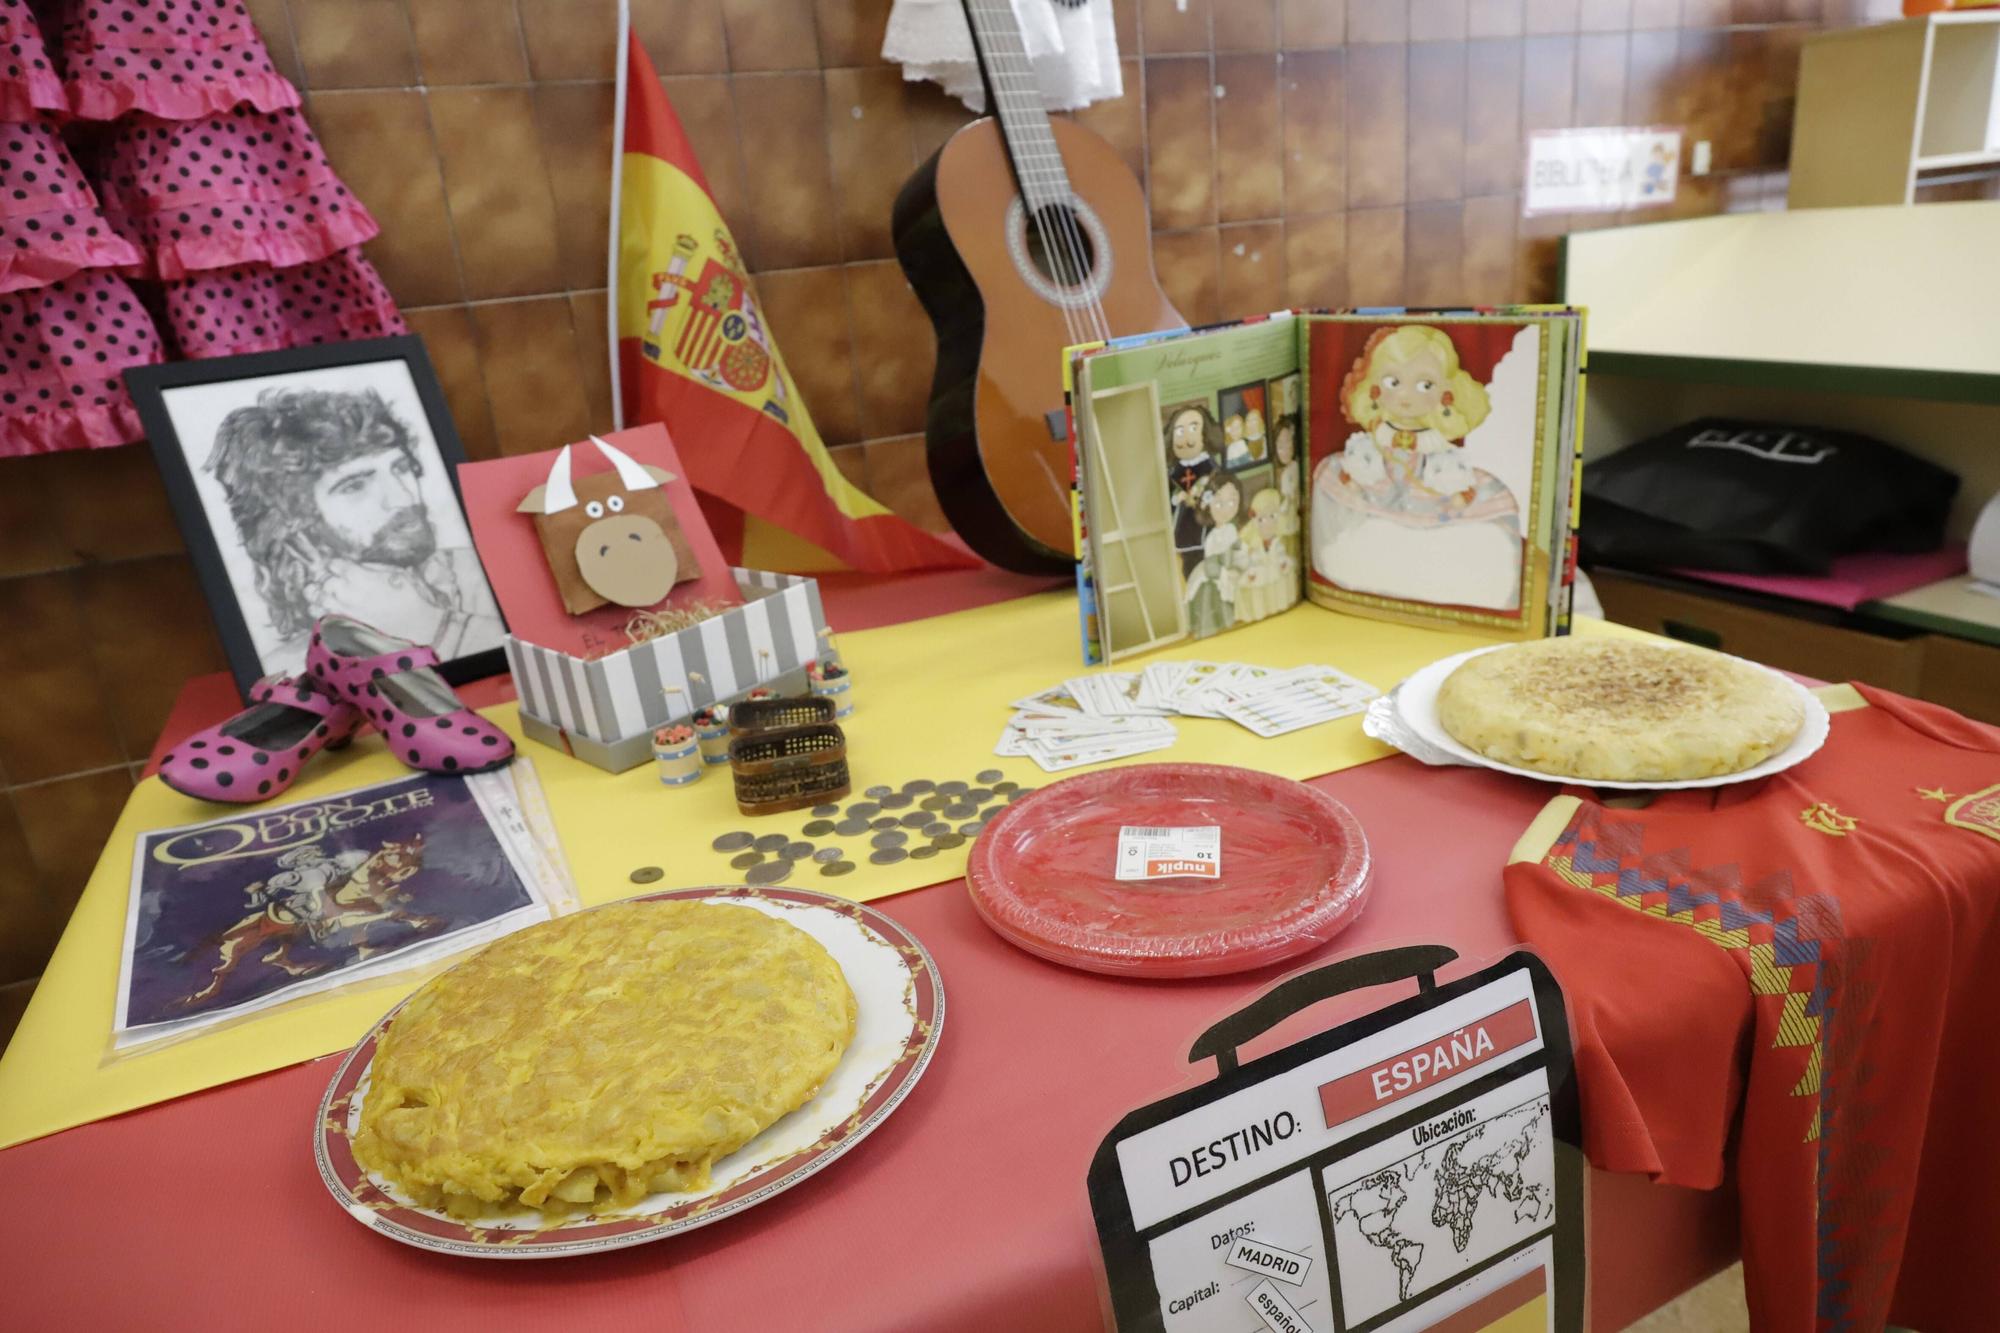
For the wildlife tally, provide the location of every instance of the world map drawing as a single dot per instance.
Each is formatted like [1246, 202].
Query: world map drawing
[1419, 1222]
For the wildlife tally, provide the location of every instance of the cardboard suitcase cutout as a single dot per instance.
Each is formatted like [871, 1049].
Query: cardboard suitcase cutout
[1418, 1167]
[610, 537]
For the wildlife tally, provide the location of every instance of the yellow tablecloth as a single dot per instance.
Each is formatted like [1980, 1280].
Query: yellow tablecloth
[932, 697]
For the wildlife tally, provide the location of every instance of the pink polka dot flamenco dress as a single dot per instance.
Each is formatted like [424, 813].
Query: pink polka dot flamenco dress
[159, 146]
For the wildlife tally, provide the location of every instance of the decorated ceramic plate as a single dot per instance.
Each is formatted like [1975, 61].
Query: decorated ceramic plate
[900, 1007]
[1416, 708]
[1291, 870]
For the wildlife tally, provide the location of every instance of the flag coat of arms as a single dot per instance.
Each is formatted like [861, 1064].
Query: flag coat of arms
[694, 352]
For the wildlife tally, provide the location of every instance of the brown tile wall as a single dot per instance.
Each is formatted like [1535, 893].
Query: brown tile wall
[1297, 151]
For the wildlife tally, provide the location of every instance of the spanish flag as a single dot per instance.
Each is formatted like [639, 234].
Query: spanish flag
[694, 352]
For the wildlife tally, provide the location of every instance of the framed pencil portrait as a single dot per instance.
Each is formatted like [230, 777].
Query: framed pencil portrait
[315, 481]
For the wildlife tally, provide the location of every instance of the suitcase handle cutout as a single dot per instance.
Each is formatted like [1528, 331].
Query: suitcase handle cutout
[1221, 1041]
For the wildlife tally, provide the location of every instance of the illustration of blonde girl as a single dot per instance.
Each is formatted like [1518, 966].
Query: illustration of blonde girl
[1269, 582]
[1409, 396]
[1401, 511]
[1212, 588]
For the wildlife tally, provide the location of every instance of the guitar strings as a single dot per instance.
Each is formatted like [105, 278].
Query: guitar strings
[1002, 65]
[1062, 241]
[1067, 223]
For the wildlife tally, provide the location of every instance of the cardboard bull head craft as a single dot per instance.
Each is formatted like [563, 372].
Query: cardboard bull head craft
[610, 537]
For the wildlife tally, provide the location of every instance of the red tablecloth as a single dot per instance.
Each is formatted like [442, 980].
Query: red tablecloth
[964, 1210]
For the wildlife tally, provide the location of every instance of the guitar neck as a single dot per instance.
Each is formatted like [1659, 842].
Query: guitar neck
[1016, 98]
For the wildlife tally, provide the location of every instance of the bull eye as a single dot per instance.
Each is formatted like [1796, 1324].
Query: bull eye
[595, 509]
[616, 504]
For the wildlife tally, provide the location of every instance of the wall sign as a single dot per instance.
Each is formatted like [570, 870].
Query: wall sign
[1600, 170]
[1417, 1168]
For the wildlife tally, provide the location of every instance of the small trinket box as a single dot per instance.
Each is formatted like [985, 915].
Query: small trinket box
[790, 769]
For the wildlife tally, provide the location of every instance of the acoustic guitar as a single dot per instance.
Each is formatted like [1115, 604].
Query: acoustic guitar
[1022, 235]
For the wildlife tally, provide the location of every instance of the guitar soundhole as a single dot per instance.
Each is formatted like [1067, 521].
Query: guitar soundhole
[1060, 248]
[1063, 253]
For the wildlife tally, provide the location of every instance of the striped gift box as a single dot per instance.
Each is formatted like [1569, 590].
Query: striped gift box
[779, 628]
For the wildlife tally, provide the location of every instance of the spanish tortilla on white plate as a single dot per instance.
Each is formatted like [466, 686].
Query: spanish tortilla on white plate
[1416, 703]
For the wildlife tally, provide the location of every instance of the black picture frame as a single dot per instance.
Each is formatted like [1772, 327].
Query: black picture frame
[206, 524]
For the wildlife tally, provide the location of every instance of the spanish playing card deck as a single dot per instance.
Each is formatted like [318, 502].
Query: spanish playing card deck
[1114, 714]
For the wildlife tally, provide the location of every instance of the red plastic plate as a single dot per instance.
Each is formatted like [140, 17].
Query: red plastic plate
[1295, 871]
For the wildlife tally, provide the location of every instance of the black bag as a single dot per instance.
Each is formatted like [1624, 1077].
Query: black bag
[1753, 497]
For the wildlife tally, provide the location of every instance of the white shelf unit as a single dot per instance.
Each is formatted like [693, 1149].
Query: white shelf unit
[1875, 319]
[1883, 111]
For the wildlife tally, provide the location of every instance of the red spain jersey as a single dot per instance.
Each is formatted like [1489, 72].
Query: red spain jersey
[1804, 971]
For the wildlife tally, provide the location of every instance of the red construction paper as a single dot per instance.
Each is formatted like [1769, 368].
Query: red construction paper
[511, 550]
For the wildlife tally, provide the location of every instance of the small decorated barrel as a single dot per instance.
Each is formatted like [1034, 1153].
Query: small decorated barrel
[831, 681]
[677, 754]
[711, 726]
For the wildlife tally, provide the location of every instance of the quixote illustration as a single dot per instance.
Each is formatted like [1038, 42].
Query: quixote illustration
[338, 909]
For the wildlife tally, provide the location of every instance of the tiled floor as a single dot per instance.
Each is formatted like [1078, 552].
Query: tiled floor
[1716, 1306]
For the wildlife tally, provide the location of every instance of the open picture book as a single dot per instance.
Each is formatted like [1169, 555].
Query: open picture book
[1410, 465]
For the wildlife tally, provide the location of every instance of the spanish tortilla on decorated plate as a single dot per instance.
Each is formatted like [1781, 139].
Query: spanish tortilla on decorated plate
[629, 1072]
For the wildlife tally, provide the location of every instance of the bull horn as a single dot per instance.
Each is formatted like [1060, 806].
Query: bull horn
[630, 475]
[560, 493]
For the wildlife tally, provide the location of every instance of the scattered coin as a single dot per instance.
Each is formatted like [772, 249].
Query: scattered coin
[770, 842]
[733, 842]
[887, 856]
[747, 859]
[895, 839]
[1019, 792]
[877, 792]
[988, 775]
[972, 830]
[953, 788]
[826, 854]
[826, 809]
[1006, 788]
[896, 800]
[851, 826]
[978, 794]
[934, 803]
[768, 873]
[797, 851]
[916, 819]
[924, 853]
[818, 828]
[918, 786]
[837, 868]
[960, 811]
[646, 874]
[937, 830]
[886, 821]
[863, 810]
[948, 840]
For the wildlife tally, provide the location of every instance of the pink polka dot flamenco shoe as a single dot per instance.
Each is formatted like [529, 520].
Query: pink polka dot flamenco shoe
[259, 752]
[392, 682]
